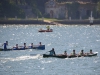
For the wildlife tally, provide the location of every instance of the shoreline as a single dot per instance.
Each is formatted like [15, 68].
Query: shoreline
[41, 22]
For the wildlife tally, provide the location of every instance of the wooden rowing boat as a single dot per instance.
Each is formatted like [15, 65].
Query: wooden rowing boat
[10, 49]
[57, 56]
[41, 47]
[71, 56]
[45, 30]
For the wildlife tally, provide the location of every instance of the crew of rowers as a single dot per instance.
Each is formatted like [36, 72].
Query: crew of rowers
[18, 47]
[52, 52]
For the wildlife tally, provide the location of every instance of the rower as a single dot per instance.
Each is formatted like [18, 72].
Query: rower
[65, 53]
[82, 53]
[24, 45]
[40, 44]
[16, 47]
[74, 54]
[91, 51]
[52, 52]
[31, 45]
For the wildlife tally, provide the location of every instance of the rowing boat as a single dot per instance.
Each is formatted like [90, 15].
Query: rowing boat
[57, 56]
[41, 47]
[10, 49]
[71, 56]
[45, 30]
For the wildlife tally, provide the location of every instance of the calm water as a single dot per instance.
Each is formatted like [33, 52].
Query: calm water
[63, 38]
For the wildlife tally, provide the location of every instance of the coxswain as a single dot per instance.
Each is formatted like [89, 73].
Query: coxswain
[52, 52]
[5, 45]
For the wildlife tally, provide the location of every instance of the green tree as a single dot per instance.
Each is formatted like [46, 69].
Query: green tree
[95, 1]
[9, 9]
[98, 7]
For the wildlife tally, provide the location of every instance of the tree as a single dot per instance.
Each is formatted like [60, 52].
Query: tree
[95, 1]
[9, 9]
[98, 7]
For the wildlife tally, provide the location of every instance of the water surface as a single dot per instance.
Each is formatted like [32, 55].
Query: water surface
[62, 38]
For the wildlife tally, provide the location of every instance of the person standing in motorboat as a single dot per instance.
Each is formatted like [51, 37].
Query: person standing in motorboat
[48, 27]
[52, 52]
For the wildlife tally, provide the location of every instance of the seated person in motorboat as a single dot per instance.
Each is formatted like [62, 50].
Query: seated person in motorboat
[52, 52]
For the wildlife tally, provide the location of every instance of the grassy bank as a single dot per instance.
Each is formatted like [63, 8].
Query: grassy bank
[45, 21]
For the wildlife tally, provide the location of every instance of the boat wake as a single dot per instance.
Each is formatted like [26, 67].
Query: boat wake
[22, 58]
[96, 52]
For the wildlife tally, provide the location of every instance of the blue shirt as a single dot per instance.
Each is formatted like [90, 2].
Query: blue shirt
[5, 46]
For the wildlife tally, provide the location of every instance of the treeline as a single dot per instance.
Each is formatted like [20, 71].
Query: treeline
[9, 8]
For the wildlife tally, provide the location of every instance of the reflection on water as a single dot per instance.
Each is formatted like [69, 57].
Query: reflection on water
[29, 62]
